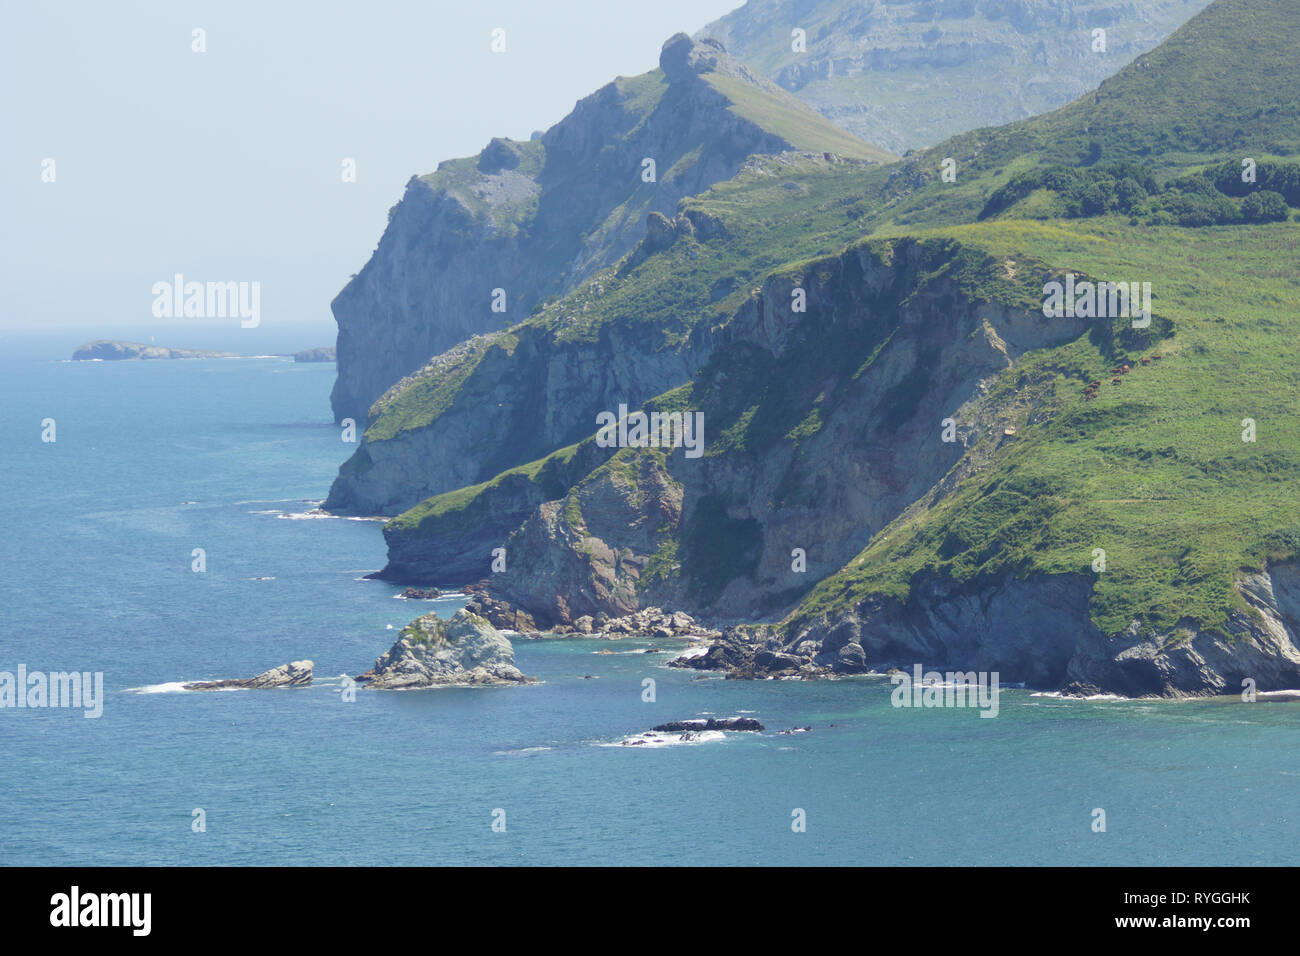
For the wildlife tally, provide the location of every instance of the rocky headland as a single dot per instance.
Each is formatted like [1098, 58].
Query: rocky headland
[111, 350]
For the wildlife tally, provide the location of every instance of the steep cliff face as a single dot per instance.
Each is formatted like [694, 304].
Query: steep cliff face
[820, 426]
[535, 218]
[494, 402]
[908, 74]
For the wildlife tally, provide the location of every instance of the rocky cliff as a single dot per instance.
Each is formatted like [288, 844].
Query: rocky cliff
[532, 219]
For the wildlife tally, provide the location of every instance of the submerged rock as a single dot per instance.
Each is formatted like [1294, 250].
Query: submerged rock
[432, 652]
[294, 674]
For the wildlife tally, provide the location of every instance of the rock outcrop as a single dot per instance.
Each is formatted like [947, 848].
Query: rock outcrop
[431, 652]
[110, 350]
[294, 674]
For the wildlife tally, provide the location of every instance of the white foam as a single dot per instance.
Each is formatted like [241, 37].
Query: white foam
[1059, 696]
[171, 687]
[655, 740]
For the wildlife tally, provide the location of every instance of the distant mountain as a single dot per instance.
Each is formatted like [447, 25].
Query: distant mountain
[323, 354]
[110, 350]
[477, 245]
[909, 74]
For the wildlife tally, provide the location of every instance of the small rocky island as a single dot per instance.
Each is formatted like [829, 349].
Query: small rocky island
[431, 652]
[323, 354]
[293, 674]
[111, 350]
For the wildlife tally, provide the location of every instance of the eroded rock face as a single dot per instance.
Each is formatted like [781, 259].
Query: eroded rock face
[1037, 631]
[432, 652]
[294, 674]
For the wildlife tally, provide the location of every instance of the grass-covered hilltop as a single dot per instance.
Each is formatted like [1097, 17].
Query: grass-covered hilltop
[908, 453]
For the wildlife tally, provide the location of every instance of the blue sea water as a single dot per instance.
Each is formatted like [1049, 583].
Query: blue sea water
[154, 459]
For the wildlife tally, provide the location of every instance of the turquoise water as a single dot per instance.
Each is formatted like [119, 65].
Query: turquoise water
[154, 459]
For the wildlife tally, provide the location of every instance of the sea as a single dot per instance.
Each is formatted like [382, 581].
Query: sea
[152, 460]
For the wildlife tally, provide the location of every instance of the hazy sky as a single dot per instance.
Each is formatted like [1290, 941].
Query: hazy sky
[225, 165]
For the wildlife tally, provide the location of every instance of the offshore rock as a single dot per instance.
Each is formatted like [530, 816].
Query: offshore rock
[294, 674]
[432, 652]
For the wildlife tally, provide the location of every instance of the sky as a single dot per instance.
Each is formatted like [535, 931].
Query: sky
[227, 164]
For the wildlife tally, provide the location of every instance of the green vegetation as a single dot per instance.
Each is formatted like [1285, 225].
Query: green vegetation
[799, 125]
[1203, 198]
[1155, 471]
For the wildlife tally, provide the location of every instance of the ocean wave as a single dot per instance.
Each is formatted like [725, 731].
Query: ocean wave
[171, 687]
[175, 687]
[519, 752]
[1057, 695]
[317, 513]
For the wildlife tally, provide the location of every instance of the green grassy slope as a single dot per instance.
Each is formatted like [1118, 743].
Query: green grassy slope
[1153, 471]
